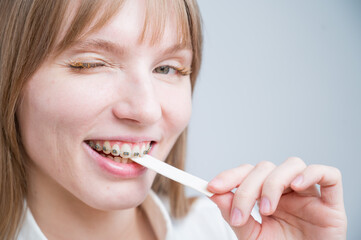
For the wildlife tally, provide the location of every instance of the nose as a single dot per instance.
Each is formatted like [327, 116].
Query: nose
[137, 100]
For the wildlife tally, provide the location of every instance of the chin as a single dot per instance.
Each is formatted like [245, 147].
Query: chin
[119, 196]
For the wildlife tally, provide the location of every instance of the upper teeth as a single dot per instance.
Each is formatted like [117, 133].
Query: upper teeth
[106, 147]
[115, 150]
[135, 152]
[126, 150]
[97, 146]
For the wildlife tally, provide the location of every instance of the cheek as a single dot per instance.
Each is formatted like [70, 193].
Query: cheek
[177, 107]
[53, 116]
[49, 105]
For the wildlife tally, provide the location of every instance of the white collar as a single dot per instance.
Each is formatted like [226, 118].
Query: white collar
[152, 206]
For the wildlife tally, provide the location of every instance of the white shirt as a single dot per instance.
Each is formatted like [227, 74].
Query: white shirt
[203, 222]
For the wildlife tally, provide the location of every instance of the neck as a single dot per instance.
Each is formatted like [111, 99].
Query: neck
[58, 213]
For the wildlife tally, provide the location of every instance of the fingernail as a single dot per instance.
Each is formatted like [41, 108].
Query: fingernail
[265, 205]
[298, 181]
[236, 217]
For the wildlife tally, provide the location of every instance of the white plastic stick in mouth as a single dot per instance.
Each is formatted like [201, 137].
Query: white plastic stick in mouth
[174, 173]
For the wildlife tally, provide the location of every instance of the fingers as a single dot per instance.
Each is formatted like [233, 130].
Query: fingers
[230, 179]
[268, 183]
[248, 192]
[278, 182]
[236, 208]
[224, 203]
[329, 179]
[250, 230]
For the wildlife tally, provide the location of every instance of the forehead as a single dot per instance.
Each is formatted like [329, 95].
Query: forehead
[128, 26]
[149, 22]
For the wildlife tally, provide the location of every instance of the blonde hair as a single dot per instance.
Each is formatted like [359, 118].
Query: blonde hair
[28, 31]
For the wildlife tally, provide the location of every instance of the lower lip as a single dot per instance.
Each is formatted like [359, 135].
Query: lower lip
[120, 170]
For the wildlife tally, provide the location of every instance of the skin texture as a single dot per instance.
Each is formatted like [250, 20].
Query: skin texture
[62, 107]
[290, 204]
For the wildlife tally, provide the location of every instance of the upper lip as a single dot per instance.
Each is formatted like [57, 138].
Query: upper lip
[132, 139]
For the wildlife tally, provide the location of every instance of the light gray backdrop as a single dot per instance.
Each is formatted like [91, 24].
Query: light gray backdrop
[279, 79]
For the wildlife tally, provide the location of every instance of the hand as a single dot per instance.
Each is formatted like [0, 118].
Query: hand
[290, 204]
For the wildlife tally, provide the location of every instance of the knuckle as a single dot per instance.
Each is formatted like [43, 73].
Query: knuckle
[265, 164]
[296, 160]
[337, 172]
[313, 167]
[247, 166]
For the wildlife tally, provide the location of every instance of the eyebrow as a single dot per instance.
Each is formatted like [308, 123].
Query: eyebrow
[114, 48]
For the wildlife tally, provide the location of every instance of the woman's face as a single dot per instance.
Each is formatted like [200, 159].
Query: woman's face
[109, 91]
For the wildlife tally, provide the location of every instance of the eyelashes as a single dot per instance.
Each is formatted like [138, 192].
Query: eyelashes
[164, 69]
[184, 71]
[85, 65]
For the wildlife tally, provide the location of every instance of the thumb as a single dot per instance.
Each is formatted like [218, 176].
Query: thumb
[249, 230]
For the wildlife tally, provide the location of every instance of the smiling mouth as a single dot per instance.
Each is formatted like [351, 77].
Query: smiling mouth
[120, 152]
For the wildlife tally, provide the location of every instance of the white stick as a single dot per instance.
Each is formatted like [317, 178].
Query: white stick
[174, 173]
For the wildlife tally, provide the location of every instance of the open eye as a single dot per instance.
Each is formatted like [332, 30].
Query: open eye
[166, 69]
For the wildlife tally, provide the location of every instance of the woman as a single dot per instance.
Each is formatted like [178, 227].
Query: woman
[86, 84]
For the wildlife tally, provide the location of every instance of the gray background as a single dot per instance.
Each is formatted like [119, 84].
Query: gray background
[280, 79]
